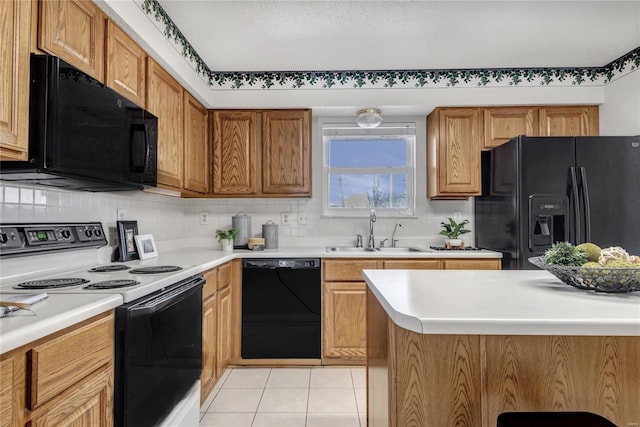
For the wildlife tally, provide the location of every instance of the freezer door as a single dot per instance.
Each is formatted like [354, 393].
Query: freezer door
[609, 182]
[545, 207]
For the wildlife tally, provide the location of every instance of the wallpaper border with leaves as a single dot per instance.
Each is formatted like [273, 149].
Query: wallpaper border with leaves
[378, 79]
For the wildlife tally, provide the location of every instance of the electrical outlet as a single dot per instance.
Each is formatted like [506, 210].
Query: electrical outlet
[120, 214]
[284, 218]
[303, 219]
[204, 218]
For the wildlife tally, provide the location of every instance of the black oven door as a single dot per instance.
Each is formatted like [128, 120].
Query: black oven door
[158, 352]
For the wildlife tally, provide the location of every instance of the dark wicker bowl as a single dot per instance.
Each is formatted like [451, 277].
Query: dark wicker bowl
[611, 280]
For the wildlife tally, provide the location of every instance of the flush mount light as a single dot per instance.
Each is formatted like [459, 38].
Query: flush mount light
[369, 118]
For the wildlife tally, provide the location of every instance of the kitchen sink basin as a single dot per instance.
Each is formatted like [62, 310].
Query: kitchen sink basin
[382, 250]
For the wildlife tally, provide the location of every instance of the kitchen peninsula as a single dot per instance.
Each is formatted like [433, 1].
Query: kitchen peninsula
[460, 347]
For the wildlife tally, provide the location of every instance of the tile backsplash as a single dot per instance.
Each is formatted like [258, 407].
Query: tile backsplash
[169, 218]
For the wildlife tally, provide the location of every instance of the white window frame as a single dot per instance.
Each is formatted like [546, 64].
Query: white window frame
[406, 131]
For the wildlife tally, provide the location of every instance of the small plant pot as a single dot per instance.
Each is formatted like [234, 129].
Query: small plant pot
[453, 243]
[227, 245]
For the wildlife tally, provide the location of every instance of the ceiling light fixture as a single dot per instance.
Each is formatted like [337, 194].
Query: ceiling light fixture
[369, 118]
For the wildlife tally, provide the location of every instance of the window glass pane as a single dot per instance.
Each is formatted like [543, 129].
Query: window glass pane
[367, 153]
[353, 190]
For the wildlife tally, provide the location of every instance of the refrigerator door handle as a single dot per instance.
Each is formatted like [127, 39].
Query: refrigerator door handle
[576, 203]
[585, 199]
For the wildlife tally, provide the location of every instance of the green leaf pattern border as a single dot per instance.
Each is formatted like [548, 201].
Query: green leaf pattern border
[380, 79]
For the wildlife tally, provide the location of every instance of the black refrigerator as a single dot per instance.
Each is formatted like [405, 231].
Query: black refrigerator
[540, 190]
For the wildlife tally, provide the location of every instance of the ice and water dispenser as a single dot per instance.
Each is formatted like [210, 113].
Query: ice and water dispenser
[548, 221]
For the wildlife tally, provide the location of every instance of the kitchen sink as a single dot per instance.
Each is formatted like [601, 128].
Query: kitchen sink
[382, 250]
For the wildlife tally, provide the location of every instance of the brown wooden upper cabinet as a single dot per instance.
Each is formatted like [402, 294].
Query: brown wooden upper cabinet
[261, 153]
[234, 152]
[503, 123]
[196, 149]
[453, 152]
[286, 156]
[126, 65]
[14, 79]
[164, 100]
[455, 137]
[74, 31]
[569, 121]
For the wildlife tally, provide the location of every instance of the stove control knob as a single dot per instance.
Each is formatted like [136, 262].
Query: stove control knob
[97, 232]
[88, 232]
[65, 233]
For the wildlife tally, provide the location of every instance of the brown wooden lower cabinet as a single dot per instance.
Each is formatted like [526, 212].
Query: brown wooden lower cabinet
[344, 326]
[63, 379]
[468, 380]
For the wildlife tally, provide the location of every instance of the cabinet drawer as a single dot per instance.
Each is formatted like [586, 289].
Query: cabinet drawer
[347, 270]
[471, 264]
[412, 264]
[211, 286]
[57, 364]
[224, 275]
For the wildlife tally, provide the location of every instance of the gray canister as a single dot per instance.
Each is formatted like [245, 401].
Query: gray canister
[241, 222]
[270, 234]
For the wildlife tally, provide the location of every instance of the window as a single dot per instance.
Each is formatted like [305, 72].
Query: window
[369, 168]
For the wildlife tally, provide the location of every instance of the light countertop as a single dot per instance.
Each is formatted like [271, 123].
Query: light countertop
[500, 302]
[62, 310]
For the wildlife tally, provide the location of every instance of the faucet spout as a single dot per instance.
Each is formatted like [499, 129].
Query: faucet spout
[372, 219]
[393, 235]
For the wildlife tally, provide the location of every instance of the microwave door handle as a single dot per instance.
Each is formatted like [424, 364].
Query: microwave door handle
[587, 207]
[136, 128]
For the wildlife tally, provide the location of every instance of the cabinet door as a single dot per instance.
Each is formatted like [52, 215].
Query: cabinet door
[344, 323]
[14, 79]
[286, 152]
[471, 264]
[196, 147]
[88, 405]
[234, 152]
[346, 270]
[502, 124]
[224, 339]
[453, 159]
[164, 100]
[12, 368]
[569, 121]
[209, 337]
[126, 65]
[74, 31]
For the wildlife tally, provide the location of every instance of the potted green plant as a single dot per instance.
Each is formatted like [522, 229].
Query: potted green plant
[226, 237]
[452, 230]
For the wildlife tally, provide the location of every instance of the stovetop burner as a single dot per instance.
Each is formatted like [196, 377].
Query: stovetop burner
[112, 284]
[108, 268]
[51, 283]
[454, 248]
[155, 269]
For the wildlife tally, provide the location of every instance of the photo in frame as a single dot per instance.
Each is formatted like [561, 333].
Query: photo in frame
[126, 250]
[146, 246]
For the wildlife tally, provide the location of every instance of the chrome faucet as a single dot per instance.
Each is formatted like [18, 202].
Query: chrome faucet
[372, 219]
[394, 241]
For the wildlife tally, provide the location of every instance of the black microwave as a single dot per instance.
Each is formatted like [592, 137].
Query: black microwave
[83, 135]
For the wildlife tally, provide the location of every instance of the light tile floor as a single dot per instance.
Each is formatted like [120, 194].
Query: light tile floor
[287, 397]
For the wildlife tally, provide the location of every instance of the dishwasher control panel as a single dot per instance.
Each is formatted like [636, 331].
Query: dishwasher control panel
[295, 263]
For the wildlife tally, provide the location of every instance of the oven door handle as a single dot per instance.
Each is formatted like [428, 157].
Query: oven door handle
[167, 299]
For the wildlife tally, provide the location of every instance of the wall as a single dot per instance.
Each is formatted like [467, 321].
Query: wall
[620, 113]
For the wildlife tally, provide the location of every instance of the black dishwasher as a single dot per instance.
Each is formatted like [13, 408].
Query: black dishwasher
[281, 308]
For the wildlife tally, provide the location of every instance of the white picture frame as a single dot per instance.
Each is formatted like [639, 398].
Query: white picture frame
[146, 246]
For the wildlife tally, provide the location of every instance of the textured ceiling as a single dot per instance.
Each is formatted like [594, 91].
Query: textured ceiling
[238, 35]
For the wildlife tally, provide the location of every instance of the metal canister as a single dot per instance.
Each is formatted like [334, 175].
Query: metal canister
[241, 222]
[270, 234]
